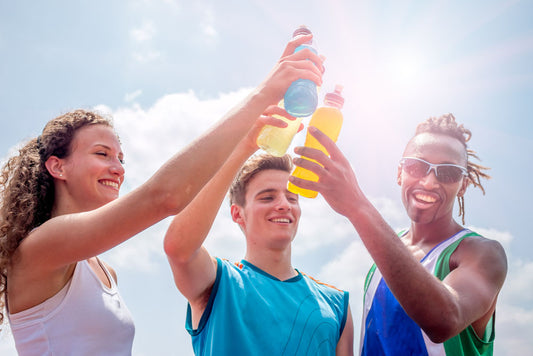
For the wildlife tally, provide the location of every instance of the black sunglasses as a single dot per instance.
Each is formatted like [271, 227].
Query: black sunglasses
[445, 173]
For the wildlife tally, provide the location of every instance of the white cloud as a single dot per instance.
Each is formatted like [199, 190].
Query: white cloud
[144, 33]
[517, 289]
[207, 24]
[150, 137]
[209, 30]
[142, 252]
[503, 237]
[146, 56]
[514, 313]
[129, 97]
[320, 227]
[393, 212]
[514, 327]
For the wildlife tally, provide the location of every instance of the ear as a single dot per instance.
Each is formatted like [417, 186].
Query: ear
[399, 175]
[236, 214]
[464, 185]
[54, 165]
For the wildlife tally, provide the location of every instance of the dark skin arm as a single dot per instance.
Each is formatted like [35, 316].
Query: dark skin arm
[467, 296]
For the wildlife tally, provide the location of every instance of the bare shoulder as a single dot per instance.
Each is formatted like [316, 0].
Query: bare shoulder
[482, 252]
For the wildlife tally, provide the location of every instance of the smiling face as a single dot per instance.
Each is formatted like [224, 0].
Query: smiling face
[93, 172]
[426, 199]
[271, 213]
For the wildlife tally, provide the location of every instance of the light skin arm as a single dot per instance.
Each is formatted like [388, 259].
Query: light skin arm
[193, 267]
[345, 344]
[69, 238]
[467, 296]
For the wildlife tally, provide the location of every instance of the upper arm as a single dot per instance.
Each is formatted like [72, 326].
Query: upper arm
[345, 344]
[481, 267]
[195, 276]
[195, 279]
[69, 238]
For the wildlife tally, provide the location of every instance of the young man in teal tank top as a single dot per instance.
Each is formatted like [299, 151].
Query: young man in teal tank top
[262, 305]
[432, 291]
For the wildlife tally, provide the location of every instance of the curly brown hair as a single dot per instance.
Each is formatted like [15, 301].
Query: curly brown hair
[251, 167]
[446, 125]
[27, 188]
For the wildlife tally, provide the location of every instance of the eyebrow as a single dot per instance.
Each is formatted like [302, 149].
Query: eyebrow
[273, 190]
[120, 153]
[267, 190]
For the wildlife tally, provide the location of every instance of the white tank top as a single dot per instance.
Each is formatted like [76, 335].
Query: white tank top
[84, 318]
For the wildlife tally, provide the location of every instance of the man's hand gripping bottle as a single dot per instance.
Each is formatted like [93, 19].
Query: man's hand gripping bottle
[328, 119]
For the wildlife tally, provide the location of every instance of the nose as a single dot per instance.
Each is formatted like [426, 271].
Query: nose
[117, 168]
[283, 203]
[430, 179]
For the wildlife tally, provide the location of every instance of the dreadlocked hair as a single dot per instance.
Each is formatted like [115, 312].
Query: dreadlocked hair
[446, 125]
[27, 188]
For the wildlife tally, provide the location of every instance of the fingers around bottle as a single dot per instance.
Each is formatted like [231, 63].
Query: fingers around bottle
[304, 183]
[277, 110]
[324, 139]
[312, 166]
[295, 42]
[273, 121]
[308, 54]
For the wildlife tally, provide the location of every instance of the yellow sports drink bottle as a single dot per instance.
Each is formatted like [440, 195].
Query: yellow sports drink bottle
[276, 140]
[328, 119]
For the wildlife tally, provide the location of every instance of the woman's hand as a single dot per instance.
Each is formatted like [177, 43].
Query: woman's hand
[304, 64]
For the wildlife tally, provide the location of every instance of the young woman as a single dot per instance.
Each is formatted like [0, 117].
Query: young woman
[60, 209]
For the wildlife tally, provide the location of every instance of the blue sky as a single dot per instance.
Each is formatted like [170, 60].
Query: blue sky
[167, 70]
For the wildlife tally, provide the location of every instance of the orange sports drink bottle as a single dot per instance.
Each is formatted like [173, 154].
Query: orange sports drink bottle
[328, 119]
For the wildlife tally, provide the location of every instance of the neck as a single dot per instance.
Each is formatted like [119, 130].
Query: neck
[274, 262]
[433, 233]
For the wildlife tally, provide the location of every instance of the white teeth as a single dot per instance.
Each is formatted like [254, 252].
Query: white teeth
[110, 183]
[425, 198]
[281, 220]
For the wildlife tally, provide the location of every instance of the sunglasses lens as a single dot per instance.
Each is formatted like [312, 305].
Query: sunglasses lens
[448, 174]
[415, 168]
[419, 169]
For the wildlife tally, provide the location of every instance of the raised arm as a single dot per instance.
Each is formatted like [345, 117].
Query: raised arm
[193, 268]
[68, 238]
[467, 296]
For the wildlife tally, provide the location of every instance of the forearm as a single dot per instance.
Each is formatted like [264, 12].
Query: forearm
[180, 179]
[189, 229]
[423, 297]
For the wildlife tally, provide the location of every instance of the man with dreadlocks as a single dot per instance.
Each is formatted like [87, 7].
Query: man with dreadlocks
[432, 291]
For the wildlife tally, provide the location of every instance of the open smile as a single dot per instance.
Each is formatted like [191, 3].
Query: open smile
[425, 198]
[110, 183]
[281, 220]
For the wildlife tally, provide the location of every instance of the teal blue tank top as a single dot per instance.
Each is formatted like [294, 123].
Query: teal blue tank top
[251, 312]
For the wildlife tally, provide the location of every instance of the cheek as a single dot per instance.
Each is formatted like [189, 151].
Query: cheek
[297, 211]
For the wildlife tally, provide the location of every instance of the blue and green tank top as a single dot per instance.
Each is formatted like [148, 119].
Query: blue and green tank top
[388, 330]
